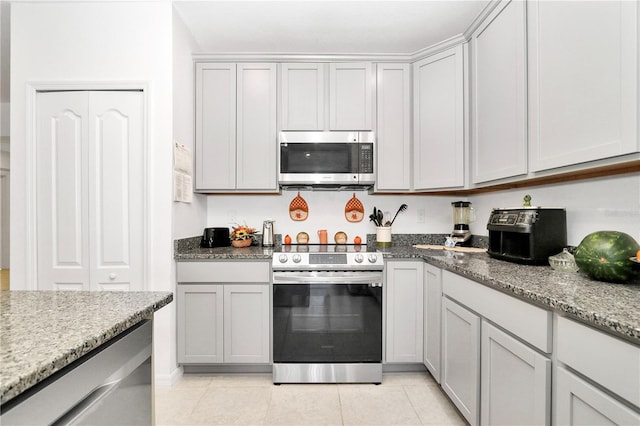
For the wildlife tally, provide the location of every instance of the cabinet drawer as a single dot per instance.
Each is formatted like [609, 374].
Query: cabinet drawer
[611, 362]
[528, 322]
[223, 272]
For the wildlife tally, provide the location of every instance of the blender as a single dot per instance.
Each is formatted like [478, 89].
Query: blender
[463, 215]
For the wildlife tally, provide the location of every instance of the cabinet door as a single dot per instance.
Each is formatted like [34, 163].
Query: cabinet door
[579, 403]
[404, 297]
[199, 322]
[438, 134]
[246, 323]
[351, 96]
[515, 381]
[256, 158]
[302, 91]
[461, 358]
[393, 171]
[583, 81]
[499, 77]
[432, 319]
[215, 156]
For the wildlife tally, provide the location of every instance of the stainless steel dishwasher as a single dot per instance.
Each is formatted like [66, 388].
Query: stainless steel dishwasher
[111, 385]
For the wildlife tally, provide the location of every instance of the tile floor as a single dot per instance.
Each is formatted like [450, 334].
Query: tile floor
[401, 399]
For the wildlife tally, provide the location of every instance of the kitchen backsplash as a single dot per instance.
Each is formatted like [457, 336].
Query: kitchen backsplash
[596, 204]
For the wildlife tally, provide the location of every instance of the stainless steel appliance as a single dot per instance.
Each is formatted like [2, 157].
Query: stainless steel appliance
[527, 234]
[267, 233]
[326, 159]
[327, 314]
[463, 215]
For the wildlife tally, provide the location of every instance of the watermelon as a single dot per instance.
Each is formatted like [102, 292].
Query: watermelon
[605, 256]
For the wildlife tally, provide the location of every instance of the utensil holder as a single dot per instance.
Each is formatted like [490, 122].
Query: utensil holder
[383, 236]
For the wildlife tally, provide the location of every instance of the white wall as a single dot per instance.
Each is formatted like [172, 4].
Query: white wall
[4, 135]
[93, 43]
[611, 203]
[326, 211]
[189, 218]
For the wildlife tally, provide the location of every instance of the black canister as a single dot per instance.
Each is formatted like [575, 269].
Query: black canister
[215, 237]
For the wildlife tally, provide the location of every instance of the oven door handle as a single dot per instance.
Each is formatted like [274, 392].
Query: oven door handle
[374, 278]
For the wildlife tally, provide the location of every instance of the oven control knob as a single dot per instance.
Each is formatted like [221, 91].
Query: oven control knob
[373, 258]
[296, 258]
[283, 258]
[358, 258]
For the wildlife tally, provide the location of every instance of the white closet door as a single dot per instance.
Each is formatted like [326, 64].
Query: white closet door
[62, 238]
[89, 174]
[115, 190]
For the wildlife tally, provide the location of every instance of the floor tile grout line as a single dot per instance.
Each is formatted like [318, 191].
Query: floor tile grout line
[406, 394]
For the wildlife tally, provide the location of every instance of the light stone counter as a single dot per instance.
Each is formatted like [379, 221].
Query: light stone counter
[614, 308]
[41, 332]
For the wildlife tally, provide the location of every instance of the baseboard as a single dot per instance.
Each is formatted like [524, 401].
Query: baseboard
[168, 380]
[228, 369]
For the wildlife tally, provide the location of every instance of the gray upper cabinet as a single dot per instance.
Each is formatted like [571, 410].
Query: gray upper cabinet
[302, 92]
[351, 96]
[583, 81]
[327, 96]
[438, 108]
[235, 125]
[256, 154]
[393, 171]
[498, 93]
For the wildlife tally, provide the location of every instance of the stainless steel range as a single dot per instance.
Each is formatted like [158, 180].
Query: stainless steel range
[327, 314]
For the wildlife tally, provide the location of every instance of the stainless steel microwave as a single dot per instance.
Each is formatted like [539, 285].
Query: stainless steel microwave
[326, 159]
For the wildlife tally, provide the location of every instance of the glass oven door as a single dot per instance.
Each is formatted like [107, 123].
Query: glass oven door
[325, 322]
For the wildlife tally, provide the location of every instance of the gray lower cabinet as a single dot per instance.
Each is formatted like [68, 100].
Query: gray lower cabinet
[246, 323]
[432, 319]
[515, 381]
[223, 323]
[496, 366]
[223, 312]
[461, 358]
[200, 321]
[580, 403]
[597, 377]
[404, 311]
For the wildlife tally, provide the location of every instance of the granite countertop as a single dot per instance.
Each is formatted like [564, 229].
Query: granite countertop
[611, 307]
[41, 332]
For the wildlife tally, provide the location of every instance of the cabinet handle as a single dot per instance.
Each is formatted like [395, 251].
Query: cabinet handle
[112, 276]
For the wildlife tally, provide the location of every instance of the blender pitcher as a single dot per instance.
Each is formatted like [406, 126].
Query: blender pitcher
[463, 215]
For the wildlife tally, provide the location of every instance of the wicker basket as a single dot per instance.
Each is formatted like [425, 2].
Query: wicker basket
[241, 243]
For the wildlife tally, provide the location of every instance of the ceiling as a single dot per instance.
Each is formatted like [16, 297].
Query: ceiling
[325, 27]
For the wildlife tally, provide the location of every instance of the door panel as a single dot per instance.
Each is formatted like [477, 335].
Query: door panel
[116, 146]
[61, 187]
